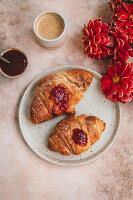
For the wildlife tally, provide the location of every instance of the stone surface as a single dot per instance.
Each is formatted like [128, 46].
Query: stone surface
[23, 175]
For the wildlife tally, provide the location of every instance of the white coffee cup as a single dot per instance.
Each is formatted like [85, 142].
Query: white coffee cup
[51, 42]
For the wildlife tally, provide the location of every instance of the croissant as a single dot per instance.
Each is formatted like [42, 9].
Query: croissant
[76, 134]
[58, 93]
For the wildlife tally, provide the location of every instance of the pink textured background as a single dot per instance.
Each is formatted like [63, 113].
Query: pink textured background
[23, 175]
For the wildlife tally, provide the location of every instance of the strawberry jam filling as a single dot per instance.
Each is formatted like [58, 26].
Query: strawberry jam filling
[79, 137]
[60, 95]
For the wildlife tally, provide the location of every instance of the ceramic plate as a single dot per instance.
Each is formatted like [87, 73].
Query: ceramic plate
[93, 103]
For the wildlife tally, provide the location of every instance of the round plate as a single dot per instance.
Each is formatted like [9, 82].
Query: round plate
[93, 103]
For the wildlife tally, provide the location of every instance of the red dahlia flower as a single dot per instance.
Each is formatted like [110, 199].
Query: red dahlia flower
[123, 19]
[119, 45]
[96, 39]
[117, 84]
[115, 3]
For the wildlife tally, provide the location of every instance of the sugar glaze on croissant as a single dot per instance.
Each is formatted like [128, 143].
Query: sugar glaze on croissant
[76, 134]
[58, 93]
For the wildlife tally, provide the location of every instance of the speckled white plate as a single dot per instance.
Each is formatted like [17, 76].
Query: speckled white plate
[93, 103]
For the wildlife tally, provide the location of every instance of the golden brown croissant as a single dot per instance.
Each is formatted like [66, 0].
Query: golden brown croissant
[58, 93]
[75, 134]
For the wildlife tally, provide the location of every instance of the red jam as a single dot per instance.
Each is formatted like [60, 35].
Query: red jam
[60, 94]
[17, 65]
[79, 137]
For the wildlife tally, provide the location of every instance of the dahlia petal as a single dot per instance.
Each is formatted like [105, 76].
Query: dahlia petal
[103, 39]
[104, 49]
[120, 92]
[131, 39]
[120, 43]
[124, 37]
[91, 49]
[123, 54]
[104, 28]
[110, 71]
[99, 24]
[103, 55]
[117, 69]
[123, 18]
[120, 8]
[115, 54]
[131, 53]
[121, 25]
[106, 82]
[87, 32]
[130, 30]
[127, 47]
[113, 98]
[86, 47]
[124, 68]
[91, 32]
[97, 31]
[127, 73]
[128, 9]
[125, 98]
[121, 100]
[98, 56]
[130, 82]
[117, 23]
[124, 85]
[107, 93]
[128, 24]
[98, 39]
[90, 42]
[113, 34]
[114, 89]
[83, 31]
[121, 13]
[105, 35]
[99, 50]
[95, 49]
[95, 22]
[94, 40]
[128, 91]
[110, 52]
[106, 77]
[108, 40]
[90, 25]
[85, 26]
[85, 40]
[125, 31]
[130, 97]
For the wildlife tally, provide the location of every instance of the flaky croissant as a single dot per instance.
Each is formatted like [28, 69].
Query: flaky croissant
[58, 93]
[75, 134]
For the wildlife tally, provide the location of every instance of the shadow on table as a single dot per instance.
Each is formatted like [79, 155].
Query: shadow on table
[104, 12]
